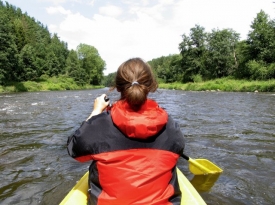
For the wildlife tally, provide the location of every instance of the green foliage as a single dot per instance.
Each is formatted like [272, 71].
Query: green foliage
[45, 83]
[210, 55]
[27, 66]
[8, 49]
[224, 84]
[91, 62]
[109, 80]
[56, 57]
[166, 68]
[43, 77]
[220, 54]
[28, 86]
[242, 57]
[261, 38]
[260, 70]
[221, 60]
[28, 50]
[30, 53]
[261, 48]
[193, 51]
[197, 78]
[74, 70]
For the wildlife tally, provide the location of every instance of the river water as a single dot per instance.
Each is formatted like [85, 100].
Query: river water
[234, 130]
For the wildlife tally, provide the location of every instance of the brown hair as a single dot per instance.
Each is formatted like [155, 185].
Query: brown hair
[134, 80]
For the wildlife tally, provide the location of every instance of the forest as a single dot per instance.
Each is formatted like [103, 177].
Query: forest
[220, 53]
[205, 56]
[29, 52]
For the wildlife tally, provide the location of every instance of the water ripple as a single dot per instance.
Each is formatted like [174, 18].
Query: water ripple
[234, 130]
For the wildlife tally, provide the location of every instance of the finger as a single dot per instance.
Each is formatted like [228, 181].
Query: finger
[102, 96]
[104, 99]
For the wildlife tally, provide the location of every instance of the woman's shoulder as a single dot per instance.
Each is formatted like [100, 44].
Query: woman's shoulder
[173, 124]
[104, 116]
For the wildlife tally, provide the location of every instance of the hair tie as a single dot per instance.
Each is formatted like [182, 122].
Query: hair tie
[135, 82]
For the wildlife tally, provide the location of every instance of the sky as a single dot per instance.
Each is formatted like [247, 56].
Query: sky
[123, 29]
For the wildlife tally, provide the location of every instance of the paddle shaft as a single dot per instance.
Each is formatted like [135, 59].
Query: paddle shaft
[201, 167]
[185, 157]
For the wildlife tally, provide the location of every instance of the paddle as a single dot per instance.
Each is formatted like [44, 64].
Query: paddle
[202, 166]
[106, 99]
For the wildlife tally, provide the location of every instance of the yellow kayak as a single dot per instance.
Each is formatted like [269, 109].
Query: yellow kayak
[78, 194]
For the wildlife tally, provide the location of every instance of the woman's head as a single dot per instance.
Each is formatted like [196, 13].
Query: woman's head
[134, 80]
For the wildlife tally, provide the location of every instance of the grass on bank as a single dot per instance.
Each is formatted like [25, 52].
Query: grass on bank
[45, 84]
[224, 84]
[65, 83]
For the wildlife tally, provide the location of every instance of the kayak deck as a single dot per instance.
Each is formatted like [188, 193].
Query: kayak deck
[190, 196]
[78, 194]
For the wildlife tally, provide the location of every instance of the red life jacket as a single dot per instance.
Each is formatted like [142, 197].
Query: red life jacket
[141, 124]
[134, 153]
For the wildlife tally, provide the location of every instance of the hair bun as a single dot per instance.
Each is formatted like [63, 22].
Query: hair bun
[139, 73]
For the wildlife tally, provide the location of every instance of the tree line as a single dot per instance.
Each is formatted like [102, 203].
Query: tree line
[220, 53]
[28, 51]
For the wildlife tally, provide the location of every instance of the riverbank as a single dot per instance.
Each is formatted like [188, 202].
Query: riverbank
[46, 84]
[224, 84]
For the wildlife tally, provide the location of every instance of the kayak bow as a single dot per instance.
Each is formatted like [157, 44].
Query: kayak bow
[78, 194]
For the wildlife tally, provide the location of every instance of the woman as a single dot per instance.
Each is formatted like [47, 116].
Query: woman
[134, 145]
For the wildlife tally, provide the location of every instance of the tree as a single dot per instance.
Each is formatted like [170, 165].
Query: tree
[8, 49]
[193, 50]
[20, 35]
[91, 62]
[27, 58]
[52, 64]
[74, 70]
[242, 56]
[109, 80]
[28, 50]
[60, 52]
[221, 59]
[167, 68]
[261, 39]
[261, 47]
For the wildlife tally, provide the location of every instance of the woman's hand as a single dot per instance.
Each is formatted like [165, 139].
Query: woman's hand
[100, 105]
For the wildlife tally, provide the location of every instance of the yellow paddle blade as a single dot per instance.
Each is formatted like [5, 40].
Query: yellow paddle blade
[203, 167]
[204, 182]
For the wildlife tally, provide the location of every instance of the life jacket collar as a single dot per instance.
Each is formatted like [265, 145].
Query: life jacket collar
[141, 124]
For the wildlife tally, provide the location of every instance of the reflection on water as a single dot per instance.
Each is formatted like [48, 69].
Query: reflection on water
[233, 130]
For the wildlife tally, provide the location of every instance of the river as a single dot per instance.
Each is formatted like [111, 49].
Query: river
[234, 130]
